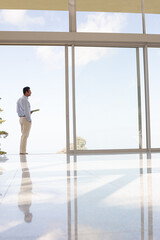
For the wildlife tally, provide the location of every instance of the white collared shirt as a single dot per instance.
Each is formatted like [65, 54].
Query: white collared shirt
[24, 108]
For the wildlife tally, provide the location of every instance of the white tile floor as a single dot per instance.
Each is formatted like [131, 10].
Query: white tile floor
[52, 197]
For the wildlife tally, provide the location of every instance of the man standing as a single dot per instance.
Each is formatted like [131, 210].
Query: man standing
[24, 113]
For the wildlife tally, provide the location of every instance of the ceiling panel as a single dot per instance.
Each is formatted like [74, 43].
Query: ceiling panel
[35, 4]
[109, 5]
[130, 6]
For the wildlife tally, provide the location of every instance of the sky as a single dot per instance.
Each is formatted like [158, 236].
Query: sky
[106, 83]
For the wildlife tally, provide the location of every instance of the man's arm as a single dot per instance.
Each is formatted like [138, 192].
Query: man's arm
[27, 110]
[17, 107]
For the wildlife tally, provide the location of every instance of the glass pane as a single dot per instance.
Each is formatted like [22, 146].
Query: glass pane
[43, 70]
[109, 22]
[34, 20]
[106, 98]
[152, 23]
[154, 75]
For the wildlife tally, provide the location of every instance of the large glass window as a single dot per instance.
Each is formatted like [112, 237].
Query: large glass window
[106, 97]
[43, 70]
[152, 23]
[154, 83]
[109, 22]
[34, 20]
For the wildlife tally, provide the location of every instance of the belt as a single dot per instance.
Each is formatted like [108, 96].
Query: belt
[22, 116]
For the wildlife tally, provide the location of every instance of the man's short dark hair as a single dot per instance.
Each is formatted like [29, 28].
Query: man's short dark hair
[25, 89]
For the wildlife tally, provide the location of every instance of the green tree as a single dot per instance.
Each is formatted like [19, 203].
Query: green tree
[2, 133]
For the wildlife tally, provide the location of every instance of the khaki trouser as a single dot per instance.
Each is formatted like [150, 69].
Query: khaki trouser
[25, 129]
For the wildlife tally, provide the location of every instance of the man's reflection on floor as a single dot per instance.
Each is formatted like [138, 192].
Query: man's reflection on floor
[25, 194]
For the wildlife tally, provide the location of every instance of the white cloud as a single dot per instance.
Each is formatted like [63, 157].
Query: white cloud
[52, 57]
[98, 22]
[85, 55]
[19, 18]
[103, 22]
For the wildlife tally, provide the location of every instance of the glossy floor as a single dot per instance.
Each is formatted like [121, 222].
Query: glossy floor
[52, 197]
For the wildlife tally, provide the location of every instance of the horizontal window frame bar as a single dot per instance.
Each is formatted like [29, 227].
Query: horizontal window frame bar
[79, 39]
[113, 151]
